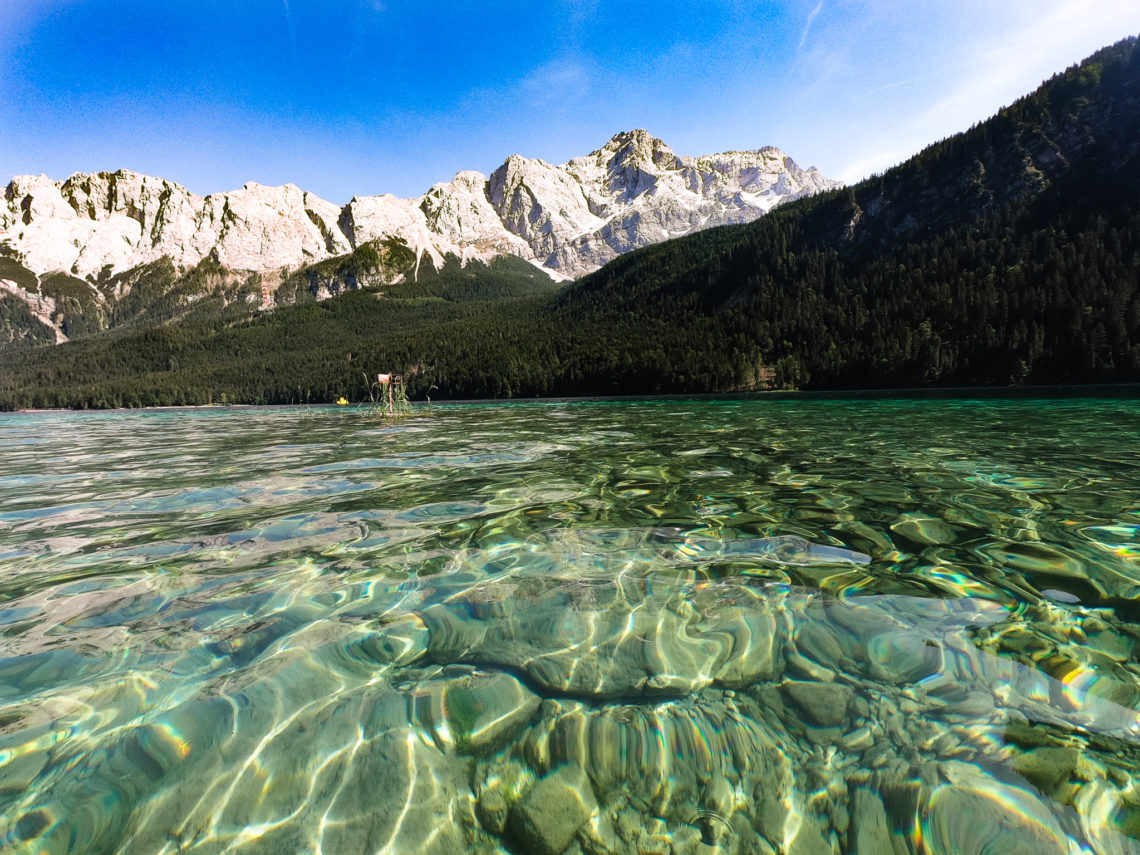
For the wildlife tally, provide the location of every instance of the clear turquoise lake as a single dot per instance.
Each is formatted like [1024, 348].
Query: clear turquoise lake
[779, 625]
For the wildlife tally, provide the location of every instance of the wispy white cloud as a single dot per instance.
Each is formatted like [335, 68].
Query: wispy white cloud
[289, 24]
[554, 89]
[579, 11]
[565, 80]
[812, 15]
[989, 74]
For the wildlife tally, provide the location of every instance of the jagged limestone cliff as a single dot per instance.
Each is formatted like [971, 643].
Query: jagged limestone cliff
[569, 219]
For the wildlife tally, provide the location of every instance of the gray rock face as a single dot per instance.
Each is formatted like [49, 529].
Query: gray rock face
[570, 219]
[114, 221]
[643, 193]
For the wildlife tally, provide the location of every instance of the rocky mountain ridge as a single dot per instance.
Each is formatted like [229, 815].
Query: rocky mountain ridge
[568, 219]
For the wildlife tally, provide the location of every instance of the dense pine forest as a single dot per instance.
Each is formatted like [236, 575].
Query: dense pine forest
[1008, 254]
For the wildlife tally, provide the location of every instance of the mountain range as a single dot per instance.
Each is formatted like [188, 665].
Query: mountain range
[1006, 254]
[568, 219]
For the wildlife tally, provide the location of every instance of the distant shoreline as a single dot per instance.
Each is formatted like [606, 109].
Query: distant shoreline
[1112, 390]
[160, 407]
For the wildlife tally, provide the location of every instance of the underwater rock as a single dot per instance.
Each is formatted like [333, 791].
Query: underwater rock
[473, 712]
[662, 758]
[974, 814]
[771, 813]
[1111, 643]
[820, 643]
[597, 835]
[658, 698]
[809, 839]
[453, 633]
[1047, 767]
[803, 667]
[627, 825]
[398, 642]
[654, 839]
[397, 794]
[1039, 561]
[925, 530]
[869, 833]
[717, 806]
[904, 657]
[972, 705]
[550, 814]
[861, 618]
[597, 644]
[491, 809]
[577, 633]
[606, 638]
[784, 549]
[18, 770]
[748, 636]
[1110, 822]
[719, 798]
[824, 703]
[687, 840]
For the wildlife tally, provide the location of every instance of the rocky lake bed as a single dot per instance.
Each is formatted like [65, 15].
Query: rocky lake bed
[641, 627]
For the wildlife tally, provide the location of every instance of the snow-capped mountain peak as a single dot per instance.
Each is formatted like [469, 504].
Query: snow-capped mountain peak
[569, 219]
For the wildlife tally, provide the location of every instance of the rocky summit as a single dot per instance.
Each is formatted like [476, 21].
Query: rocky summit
[568, 219]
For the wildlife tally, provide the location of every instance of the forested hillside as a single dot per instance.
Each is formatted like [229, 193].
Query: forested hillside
[1007, 254]
[309, 352]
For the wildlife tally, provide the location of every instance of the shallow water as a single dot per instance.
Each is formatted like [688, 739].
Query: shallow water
[804, 626]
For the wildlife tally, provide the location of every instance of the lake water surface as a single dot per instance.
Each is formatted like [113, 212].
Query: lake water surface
[801, 626]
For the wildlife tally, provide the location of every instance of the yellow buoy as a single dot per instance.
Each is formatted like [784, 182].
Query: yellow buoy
[342, 402]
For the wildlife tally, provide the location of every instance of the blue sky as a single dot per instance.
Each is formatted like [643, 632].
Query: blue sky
[357, 97]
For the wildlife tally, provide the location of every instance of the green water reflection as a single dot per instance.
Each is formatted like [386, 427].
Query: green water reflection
[802, 626]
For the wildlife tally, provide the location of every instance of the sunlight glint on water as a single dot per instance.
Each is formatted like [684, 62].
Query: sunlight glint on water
[671, 626]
